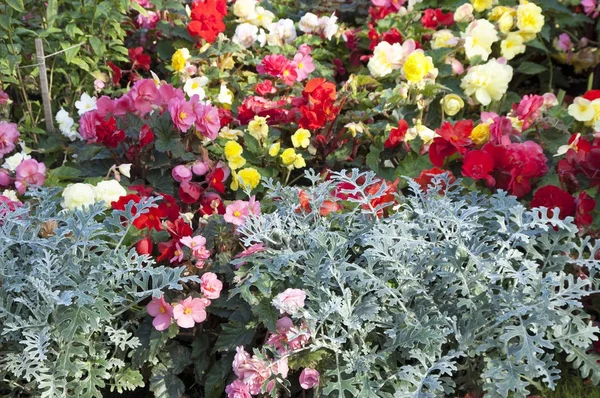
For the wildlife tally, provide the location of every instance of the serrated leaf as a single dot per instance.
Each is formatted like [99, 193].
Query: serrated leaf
[234, 334]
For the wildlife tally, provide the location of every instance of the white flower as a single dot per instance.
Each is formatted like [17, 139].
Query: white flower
[328, 26]
[62, 116]
[261, 38]
[244, 9]
[108, 191]
[512, 45]
[77, 196]
[225, 95]
[85, 104]
[464, 13]
[581, 109]
[309, 23]
[479, 37]
[195, 86]
[245, 35]
[262, 17]
[386, 58]
[282, 31]
[125, 169]
[11, 162]
[425, 133]
[443, 39]
[11, 194]
[488, 82]
[565, 148]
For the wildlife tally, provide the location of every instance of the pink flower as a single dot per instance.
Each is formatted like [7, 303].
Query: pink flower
[240, 358]
[211, 286]
[3, 97]
[182, 114]
[236, 212]
[273, 65]
[528, 109]
[290, 301]
[564, 42]
[289, 74]
[238, 389]
[500, 131]
[304, 66]
[304, 49]
[589, 7]
[87, 125]
[201, 256]
[200, 168]
[177, 254]
[189, 312]
[29, 172]
[253, 206]
[144, 94]
[9, 135]
[149, 21]
[105, 106]
[208, 122]
[251, 250]
[5, 179]
[288, 336]
[254, 372]
[195, 243]
[182, 173]
[309, 378]
[167, 92]
[161, 311]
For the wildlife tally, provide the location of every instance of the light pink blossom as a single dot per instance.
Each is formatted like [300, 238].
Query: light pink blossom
[236, 212]
[181, 173]
[9, 135]
[178, 254]
[304, 66]
[237, 389]
[162, 313]
[309, 378]
[182, 114]
[241, 357]
[189, 312]
[144, 94]
[208, 122]
[254, 372]
[290, 301]
[196, 243]
[29, 172]
[210, 285]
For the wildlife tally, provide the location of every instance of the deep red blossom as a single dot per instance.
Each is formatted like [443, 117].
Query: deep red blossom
[144, 246]
[426, 176]
[189, 192]
[551, 196]
[207, 19]
[166, 250]
[178, 229]
[591, 95]
[168, 206]
[138, 59]
[211, 203]
[393, 36]
[396, 135]
[216, 180]
[585, 205]
[319, 90]
[388, 197]
[431, 18]
[478, 165]
[273, 65]
[378, 13]
[151, 220]
[258, 106]
[108, 134]
[117, 73]
[146, 136]
[453, 138]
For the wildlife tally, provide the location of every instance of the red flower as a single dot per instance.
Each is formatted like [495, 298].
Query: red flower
[312, 119]
[146, 136]
[216, 180]
[144, 246]
[124, 200]
[396, 135]
[478, 165]
[273, 64]
[117, 73]
[426, 176]
[289, 74]
[189, 192]
[207, 19]
[585, 205]
[551, 196]
[107, 133]
[388, 197]
[166, 250]
[393, 36]
[319, 90]
[265, 88]
[225, 116]
[591, 95]
[142, 190]
[458, 135]
[150, 220]
[168, 206]
[439, 150]
[211, 203]
[431, 18]
[138, 59]
[178, 229]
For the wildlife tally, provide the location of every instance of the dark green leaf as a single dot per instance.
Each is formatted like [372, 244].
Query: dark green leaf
[530, 68]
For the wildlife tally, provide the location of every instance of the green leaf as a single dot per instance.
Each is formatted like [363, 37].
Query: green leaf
[217, 376]
[234, 334]
[17, 5]
[138, 8]
[530, 68]
[5, 22]
[97, 45]
[267, 313]
[71, 52]
[164, 384]
[127, 380]
[65, 173]
[81, 63]
[51, 12]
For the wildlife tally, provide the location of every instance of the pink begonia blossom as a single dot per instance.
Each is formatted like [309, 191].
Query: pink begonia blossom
[162, 313]
[5, 179]
[210, 286]
[167, 92]
[501, 130]
[181, 173]
[189, 312]
[98, 84]
[182, 114]
[177, 255]
[397, 4]
[144, 94]
[29, 172]
[4, 98]
[148, 21]
[304, 49]
[196, 243]
[589, 7]
[238, 389]
[200, 168]
[254, 372]
[144, 3]
[236, 212]
[208, 122]
[288, 337]
[564, 42]
[279, 367]
[201, 256]
[309, 378]
[123, 105]
[241, 357]
[528, 110]
[7, 205]
[290, 301]
[550, 101]
[253, 206]
[251, 250]
[105, 106]
[87, 125]
[9, 135]
[488, 116]
[304, 66]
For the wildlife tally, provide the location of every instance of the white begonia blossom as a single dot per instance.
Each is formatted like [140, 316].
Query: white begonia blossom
[78, 196]
[386, 58]
[85, 104]
[309, 23]
[11, 162]
[225, 95]
[125, 169]
[488, 82]
[108, 191]
[479, 37]
[195, 86]
[280, 32]
[262, 17]
[328, 26]
[245, 10]
[10, 194]
[245, 35]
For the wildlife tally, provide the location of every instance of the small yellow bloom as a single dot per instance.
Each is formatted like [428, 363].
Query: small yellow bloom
[417, 66]
[236, 162]
[233, 150]
[301, 138]
[355, 128]
[452, 104]
[512, 45]
[288, 156]
[258, 128]
[299, 161]
[529, 18]
[527, 36]
[481, 134]
[506, 22]
[179, 59]
[274, 149]
[230, 134]
[482, 5]
[235, 183]
[249, 177]
[499, 11]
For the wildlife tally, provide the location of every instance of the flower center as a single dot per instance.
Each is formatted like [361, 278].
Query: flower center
[194, 85]
[182, 115]
[237, 213]
[300, 65]
[162, 310]
[187, 311]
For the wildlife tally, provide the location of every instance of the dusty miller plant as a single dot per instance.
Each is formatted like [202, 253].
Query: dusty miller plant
[452, 287]
[69, 290]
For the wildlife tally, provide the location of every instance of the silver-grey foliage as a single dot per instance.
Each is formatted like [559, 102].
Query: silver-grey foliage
[452, 286]
[68, 290]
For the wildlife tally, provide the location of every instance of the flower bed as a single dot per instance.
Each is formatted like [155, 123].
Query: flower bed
[379, 198]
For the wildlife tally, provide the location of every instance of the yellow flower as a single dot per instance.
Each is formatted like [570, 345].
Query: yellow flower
[512, 45]
[288, 156]
[529, 18]
[355, 128]
[481, 134]
[301, 138]
[249, 177]
[258, 128]
[452, 104]
[233, 150]
[481, 5]
[235, 184]
[299, 161]
[417, 66]
[581, 109]
[274, 149]
[236, 162]
[443, 39]
[506, 22]
[179, 59]
[230, 134]
[499, 11]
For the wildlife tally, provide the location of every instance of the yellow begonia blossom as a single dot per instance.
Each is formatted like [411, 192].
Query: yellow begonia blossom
[512, 45]
[258, 128]
[249, 177]
[530, 18]
[417, 66]
[452, 104]
[482, 5]
[481, 134]
[301, 138]
[232, 150]
[179, 59]
[274, 149]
